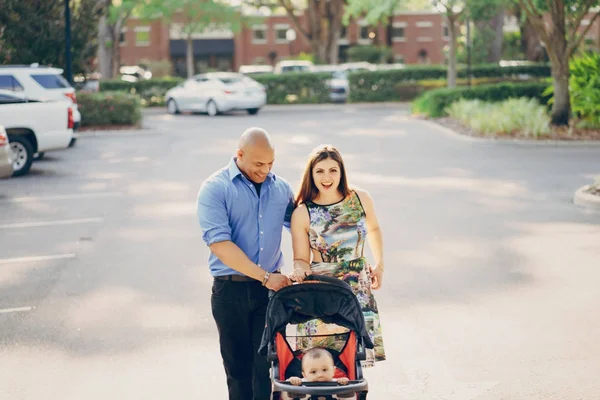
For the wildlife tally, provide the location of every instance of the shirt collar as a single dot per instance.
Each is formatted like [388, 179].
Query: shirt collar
[234, 171]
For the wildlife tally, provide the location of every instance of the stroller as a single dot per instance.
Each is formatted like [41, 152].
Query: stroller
[332, 301]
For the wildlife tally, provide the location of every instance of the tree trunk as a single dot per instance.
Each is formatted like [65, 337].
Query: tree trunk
[559, 59]
[116, 47]
[561, 108]
[452, 30]
[104, 51]
[189, 56]
[495, 49]
[531, 45]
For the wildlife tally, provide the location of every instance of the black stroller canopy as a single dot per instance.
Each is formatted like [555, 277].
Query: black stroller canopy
[328, 299]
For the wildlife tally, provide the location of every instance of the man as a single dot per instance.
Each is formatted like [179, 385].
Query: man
[242, 209]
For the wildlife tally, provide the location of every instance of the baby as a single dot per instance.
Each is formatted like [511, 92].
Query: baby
[317, 366]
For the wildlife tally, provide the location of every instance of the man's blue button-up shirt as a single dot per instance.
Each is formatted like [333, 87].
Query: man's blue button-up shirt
[229, 208]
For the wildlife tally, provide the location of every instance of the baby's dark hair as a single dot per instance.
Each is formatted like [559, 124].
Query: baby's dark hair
[315, 353]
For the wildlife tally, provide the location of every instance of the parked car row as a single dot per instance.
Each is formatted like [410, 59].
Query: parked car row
[38, 113]
[339, 86]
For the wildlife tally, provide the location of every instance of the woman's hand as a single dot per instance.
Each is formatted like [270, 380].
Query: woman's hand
[299, 274]
[376, 276]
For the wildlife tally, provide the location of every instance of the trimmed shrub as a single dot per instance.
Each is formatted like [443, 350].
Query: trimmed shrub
[435, 102]
[390, 85]
[151, 91]
[514, 115]
[296, 88]
[109, 108]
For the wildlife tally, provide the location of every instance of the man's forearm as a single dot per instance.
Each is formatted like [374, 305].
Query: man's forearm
[232, 256]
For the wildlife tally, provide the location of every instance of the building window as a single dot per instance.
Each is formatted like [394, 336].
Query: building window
[281, 33]
[445, 31]
[259, 34]
[142, 36]
[343, 35]
[399, 32]
[123, 37]
[424, 24]
[366, 34]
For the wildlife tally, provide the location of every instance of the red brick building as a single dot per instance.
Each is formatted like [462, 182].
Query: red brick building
[417, 38]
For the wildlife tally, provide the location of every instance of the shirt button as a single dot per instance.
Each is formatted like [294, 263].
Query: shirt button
[261, 232]
[260, 216]
[261, 249]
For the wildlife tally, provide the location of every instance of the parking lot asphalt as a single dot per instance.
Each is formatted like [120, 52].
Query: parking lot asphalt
[490, 290]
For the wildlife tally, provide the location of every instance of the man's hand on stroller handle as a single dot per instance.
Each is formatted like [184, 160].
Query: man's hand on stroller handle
[277, 281]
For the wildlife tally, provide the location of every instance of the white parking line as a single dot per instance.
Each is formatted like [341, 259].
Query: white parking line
[49, 223]
[29, 199]
[16, 309]
[36, 258]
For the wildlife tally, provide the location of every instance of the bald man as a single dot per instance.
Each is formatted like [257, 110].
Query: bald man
[242, 209]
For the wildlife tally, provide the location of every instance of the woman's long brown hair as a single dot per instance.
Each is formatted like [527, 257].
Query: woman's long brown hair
[308, 190]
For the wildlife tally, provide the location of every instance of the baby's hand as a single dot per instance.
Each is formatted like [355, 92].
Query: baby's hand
[294, 380]
[343, 381]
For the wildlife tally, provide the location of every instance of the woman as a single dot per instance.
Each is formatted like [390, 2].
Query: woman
[329, 227]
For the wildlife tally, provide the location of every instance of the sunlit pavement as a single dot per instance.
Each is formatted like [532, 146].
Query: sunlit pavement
[491, 283]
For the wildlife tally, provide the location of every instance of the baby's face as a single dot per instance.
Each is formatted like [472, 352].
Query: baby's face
[318, 370]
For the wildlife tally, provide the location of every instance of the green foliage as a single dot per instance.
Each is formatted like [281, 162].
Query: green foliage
[387, 84]
[524, 115]
[584, 88]
[370, 53]
[198, 15]
[434, 103]
[512, 48]
[151, 91]
[296, 88]
[109, 108]
[33, 31]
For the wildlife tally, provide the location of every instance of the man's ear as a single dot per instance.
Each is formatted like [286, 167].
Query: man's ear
[240, 154]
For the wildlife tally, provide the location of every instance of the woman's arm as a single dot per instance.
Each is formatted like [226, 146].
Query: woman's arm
[300, 243]
[374, 235]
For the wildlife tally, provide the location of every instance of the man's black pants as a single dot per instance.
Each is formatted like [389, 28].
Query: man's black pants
[239, 309]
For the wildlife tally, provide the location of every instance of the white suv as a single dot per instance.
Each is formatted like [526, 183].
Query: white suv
[41, 83]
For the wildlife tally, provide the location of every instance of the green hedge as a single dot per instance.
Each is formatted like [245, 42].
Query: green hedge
[151, 91]
[398, 84]
[301, 88]
[434, 103]
[109, 108]
[295, 88]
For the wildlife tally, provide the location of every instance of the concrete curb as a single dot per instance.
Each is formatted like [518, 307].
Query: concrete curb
[520, 142]
[584, 199]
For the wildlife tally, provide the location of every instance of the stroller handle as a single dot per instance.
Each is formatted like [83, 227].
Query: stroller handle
[321, 388]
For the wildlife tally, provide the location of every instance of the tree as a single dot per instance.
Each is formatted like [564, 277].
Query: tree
[562, 37]
[374, 12]
[113, 16]
[42, 38]
[324, 26]
[196, 16]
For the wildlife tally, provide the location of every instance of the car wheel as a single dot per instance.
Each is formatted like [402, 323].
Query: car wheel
[253, 111]
[22, 154]
[172, 107]
[211, 108]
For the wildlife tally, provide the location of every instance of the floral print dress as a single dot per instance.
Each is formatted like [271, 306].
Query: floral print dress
[338, 232]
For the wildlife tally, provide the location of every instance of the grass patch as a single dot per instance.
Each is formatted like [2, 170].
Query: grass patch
[523, 115]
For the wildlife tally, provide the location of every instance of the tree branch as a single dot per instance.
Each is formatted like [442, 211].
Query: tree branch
[289, 8]
[573, 45]
[536, 20]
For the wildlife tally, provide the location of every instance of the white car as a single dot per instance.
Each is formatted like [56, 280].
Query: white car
[39, 83]
[216, 92]
[34, 126]
[6, 163]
